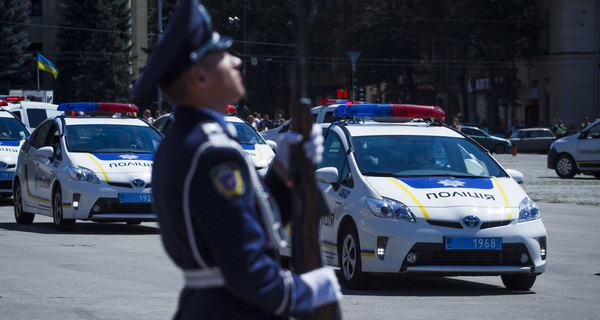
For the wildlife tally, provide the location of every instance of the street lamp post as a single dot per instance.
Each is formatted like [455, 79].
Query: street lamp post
[353, 55]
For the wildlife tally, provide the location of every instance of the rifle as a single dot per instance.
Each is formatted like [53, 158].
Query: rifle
[306, 247]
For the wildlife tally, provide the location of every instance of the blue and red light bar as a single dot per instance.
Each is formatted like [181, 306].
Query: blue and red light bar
[389, 110]
[98, 107]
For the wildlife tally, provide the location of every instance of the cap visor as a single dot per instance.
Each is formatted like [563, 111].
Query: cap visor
[215, 43]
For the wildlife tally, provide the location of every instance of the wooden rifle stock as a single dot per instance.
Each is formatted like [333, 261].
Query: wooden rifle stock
[307, 202]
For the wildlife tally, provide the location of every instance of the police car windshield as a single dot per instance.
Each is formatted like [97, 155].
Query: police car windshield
[418, 156]
[247, 135]
[12, 129]
[110, 138]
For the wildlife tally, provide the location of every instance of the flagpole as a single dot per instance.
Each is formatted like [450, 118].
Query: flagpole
[38, 78]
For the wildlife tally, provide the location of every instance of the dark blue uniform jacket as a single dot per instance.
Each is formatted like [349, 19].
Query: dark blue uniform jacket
[208, 215]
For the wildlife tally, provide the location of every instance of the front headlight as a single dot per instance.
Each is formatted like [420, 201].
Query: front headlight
[83, 174]
[529, 210]
[390, 209]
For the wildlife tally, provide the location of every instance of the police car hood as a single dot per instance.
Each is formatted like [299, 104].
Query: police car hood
[9, 151]
[443, 197]
[116, 166]
[259, 154]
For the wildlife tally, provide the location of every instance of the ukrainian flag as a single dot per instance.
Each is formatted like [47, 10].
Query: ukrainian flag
[45, 65]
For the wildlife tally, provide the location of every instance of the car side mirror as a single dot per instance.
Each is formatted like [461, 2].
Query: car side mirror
[516, 175]
[272, 144]
[45, 152]
[327, 175]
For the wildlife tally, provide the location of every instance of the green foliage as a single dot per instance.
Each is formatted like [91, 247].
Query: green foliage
[417, 48]
[17, 66]
[95, 54]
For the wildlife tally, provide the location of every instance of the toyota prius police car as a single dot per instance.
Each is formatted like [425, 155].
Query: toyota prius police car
[88, 168]
[418, 197]
[12, 135]
[259, 151]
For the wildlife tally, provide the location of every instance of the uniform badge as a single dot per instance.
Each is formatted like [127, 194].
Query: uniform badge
[227, 180]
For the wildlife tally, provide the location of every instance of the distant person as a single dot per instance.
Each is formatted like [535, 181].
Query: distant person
[147, 116]
[586, 122]
[456, 124]
[250, 120]
[559, 129]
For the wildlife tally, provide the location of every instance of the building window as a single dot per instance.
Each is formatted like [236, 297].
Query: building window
[36, 7]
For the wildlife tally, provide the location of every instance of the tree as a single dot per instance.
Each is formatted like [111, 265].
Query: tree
[95, 53]
[16, 64]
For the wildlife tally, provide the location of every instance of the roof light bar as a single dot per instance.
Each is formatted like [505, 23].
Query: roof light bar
[390, 110]
[231, 108]
[12, 98]
[3, 103]
[98, 107]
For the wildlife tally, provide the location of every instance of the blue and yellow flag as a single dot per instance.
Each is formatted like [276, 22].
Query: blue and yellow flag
[45, 65]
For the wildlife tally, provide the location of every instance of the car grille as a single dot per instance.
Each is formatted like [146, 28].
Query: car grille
[126, 185]
[112, 205]
[434, 254]
[458, 225]
[5, 184]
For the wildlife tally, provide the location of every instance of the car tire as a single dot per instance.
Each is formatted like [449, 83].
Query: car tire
[60, 223]
[21, 216]
[499, 149]
[519, 282]
[565, 166]
[349, 258]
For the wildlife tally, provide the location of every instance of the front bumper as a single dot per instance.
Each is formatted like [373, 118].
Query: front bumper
[551, 159]
[101, 203]
[426, 241]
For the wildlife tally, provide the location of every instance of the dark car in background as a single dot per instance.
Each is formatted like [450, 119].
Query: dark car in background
[536, 140]
[493, 144]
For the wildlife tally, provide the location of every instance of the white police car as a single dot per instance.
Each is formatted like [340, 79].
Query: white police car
[259, 151]
[12, 135]
[578, 153]
[418, 197]
[88, 168]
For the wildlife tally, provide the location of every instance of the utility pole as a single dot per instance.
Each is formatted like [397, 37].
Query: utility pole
[160, 31]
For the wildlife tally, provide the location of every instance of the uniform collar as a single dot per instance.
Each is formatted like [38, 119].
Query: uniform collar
[194, 115]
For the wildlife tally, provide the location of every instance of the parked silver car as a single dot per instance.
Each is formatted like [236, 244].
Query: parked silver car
[532, 139]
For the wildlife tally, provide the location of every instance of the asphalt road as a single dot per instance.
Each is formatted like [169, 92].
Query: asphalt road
[117, 271]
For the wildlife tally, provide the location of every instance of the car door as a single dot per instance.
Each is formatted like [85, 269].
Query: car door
[588, 149]
[32, 163]
[46, 169]
[335, 195]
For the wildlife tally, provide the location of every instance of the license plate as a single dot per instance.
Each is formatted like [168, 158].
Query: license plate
[135, 197]
[6, 175]
[473, 243]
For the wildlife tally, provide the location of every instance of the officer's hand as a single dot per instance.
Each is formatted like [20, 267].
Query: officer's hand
[324, 286]
[313, 148]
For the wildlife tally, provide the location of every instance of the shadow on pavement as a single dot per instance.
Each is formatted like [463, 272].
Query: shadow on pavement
[83, 227]
[429, 286]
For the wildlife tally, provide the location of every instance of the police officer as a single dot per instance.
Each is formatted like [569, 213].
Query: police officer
[219, 222]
